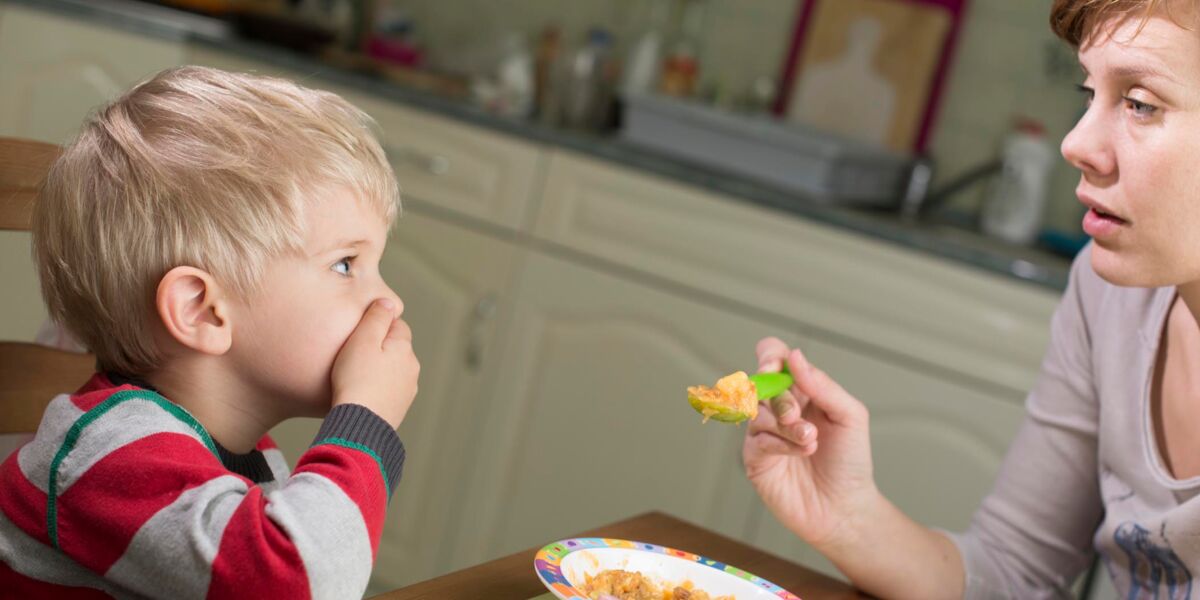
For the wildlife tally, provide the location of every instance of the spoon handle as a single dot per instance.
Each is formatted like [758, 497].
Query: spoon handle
[770, 385]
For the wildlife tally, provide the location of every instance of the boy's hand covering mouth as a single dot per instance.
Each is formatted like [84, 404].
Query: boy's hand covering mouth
[376, 367]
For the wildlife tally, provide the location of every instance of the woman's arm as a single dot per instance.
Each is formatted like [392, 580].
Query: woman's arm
[1031, 536]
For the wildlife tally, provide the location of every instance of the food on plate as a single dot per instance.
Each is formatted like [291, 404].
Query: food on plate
[617, 584]
[732, 400]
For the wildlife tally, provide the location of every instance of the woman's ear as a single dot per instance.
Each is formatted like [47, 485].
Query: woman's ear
[194, 310]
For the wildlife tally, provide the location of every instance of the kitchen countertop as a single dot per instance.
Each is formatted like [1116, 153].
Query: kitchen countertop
[1029, 265]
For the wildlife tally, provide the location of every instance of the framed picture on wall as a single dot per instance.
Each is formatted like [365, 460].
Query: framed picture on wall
[871, 70]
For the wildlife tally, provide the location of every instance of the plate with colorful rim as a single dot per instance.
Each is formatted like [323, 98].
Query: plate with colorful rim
[565, 565]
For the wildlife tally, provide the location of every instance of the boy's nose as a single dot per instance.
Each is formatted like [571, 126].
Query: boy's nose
[388, 294]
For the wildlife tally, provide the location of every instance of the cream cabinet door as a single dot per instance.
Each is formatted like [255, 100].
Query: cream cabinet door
[452, 282]
[952, 318]
[936, 445]
[590, 422]
[54, 70]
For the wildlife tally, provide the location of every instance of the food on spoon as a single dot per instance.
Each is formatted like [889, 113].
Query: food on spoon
[732, 400]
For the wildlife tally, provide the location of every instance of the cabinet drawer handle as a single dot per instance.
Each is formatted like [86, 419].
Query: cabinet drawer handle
[481, 315]
[434, 164]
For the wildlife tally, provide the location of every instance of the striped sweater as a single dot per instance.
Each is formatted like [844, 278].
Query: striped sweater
[122, 493]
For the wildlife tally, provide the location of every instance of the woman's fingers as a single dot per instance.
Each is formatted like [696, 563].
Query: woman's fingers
[794, 430]
[789, 406]
[771, 352]
[834, 401]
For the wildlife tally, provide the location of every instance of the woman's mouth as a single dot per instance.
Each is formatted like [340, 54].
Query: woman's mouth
[1100, 224]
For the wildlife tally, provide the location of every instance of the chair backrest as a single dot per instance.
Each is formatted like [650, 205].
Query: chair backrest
[30, 374]
[23, 167]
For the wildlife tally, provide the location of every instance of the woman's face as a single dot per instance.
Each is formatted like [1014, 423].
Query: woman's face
[1138, 148]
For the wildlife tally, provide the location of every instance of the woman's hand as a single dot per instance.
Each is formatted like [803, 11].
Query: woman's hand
[808, 454]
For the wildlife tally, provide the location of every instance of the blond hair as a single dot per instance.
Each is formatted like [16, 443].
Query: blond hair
[199, 167]
[1075, 21]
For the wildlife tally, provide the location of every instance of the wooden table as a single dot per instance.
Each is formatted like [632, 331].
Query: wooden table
[512, 577]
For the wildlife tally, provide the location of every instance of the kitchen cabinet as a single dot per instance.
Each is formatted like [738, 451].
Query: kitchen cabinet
[53, 72]
[923, 310]
[456, 167]
[589, 419]
[455, 285]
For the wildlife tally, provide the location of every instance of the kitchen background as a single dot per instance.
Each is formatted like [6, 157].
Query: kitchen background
[1007, 64]
[567, 275]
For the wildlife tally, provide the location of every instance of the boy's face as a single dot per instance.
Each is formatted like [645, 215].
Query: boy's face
[287, 337]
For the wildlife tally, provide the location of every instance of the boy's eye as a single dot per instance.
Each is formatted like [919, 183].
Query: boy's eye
[343, 266]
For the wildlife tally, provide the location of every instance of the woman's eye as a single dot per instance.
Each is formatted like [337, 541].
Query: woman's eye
[1141, 109]
[343, 266]
[1088, 93]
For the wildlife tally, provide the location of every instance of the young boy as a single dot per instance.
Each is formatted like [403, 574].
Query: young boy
[214, 238]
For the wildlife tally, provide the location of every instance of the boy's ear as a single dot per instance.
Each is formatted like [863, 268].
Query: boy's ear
[194, 310]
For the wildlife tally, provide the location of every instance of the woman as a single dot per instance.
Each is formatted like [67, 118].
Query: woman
[1108, 457]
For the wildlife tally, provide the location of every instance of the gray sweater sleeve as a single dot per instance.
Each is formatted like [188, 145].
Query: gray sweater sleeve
[1031, 536]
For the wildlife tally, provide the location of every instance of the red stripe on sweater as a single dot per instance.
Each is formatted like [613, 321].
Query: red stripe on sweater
[357, 473]
[100, 513]
[266, 443]
[95, 391]
[256, 558]
[21, 501]
[16, 585]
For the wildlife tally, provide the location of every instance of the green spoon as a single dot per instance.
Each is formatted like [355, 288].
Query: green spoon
[768, 385]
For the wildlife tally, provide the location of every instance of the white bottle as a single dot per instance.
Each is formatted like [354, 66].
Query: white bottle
[641, 68]
[515, 78]
[1013, 209]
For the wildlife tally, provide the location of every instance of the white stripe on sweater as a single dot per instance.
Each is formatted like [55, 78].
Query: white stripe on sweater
[36, 456]
[172, 554]
[36, 560]
[124, 423]
[329, 532]
[279, 469]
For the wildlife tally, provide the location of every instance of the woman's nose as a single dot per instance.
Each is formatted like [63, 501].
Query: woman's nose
[1088, 146]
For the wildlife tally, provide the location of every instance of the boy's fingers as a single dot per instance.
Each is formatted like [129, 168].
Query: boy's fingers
[399, 332]
[771, 352]
[377, 319]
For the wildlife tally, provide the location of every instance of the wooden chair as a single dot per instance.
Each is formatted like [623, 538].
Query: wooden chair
[30, 374]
